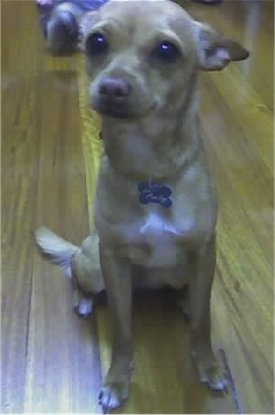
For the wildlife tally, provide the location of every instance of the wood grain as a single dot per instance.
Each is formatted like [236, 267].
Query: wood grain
[52, 361]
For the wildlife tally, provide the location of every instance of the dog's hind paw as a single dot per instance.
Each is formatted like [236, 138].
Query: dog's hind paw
[113, 395]
[82, 305]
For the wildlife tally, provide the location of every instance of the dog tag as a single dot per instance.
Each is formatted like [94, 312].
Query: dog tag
[155, 193]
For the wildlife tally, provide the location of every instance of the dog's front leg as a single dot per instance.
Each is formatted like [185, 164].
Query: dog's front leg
[200, 295]
[118, 279]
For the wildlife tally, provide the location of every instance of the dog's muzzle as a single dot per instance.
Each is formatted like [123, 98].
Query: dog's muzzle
[112, 97]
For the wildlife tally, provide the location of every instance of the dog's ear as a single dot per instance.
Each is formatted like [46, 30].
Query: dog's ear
[215, 51]
[85, 25]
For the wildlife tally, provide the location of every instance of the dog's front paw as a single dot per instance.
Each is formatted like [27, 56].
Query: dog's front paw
[210, 373]
[112, 395]
[214, 378]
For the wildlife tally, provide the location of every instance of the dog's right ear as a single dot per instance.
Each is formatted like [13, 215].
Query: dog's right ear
[215, 51]
[86, 23]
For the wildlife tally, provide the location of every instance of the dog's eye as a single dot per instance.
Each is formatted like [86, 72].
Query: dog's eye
[96, 44]
[166, 52]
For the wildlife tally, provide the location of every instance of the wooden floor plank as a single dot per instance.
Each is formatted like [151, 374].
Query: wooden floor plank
[62, 364]
[238, 134]
[19, 167]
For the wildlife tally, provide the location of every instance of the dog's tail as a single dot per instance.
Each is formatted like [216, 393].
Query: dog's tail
[59, 251]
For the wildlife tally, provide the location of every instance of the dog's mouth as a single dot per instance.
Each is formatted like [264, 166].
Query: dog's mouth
[122, 111]
[114, 111]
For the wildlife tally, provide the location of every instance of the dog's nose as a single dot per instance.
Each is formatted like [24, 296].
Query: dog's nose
[115, 90]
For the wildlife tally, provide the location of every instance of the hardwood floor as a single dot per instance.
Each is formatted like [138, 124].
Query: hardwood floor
[53, 361]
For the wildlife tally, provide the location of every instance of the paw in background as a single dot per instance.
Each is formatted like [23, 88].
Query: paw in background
[59, 21]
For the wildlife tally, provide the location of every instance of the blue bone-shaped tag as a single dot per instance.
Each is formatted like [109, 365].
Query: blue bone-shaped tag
[155, 193]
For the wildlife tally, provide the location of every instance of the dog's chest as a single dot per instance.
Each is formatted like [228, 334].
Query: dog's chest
[155, 240]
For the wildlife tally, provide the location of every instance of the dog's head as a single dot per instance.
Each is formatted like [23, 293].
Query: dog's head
[143, 54]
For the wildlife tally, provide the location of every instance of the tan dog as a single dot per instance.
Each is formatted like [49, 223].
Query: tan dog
[156, 203]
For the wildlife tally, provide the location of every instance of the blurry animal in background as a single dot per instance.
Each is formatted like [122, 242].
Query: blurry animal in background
[60, 22]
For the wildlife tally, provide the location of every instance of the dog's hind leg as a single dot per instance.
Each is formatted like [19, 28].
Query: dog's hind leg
[79, 264]
[86, 266]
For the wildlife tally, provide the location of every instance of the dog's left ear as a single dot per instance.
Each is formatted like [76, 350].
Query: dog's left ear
[215, 51]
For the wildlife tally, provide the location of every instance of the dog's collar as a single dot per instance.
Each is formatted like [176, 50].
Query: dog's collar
[152, 192]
